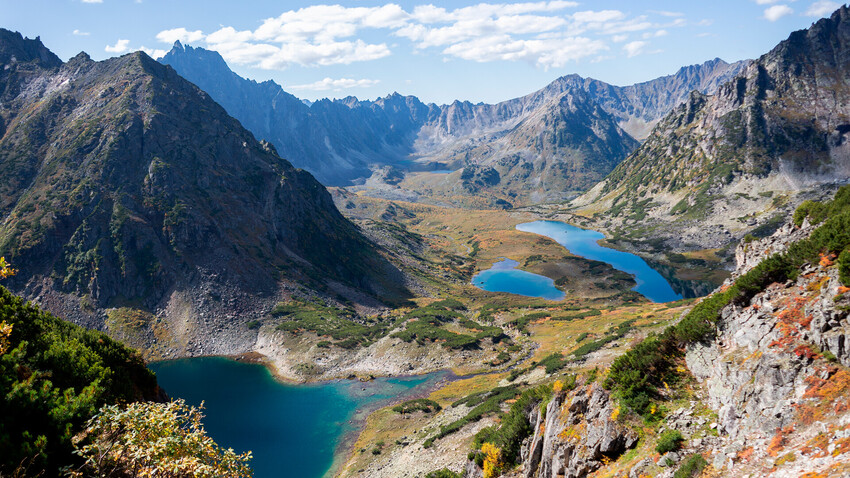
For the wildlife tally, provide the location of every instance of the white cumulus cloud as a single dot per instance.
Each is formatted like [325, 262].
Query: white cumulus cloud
[154, 53]
[123, 46]
[634, 48]
[547, 34]
[80, 33]
[120, 46]
[776, 12]
[310, 36]
[181, 34]
[92, 1]
[822, 8]
[336, 84]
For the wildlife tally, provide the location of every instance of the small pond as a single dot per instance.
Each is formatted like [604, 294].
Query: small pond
[505, 277]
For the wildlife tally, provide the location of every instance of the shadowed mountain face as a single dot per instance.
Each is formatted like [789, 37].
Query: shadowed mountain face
[563, 138]
[123, 182]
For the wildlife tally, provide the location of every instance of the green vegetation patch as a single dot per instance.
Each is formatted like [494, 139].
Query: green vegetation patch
[482, 403]
[670, 440]
[426, 324]
[342, 325]
[417, 405]
[443, 473]
[616, 333]
[693, 466]
[54, 376]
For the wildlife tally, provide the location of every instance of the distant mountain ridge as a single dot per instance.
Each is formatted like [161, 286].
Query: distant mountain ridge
[126, 185]
[568, 143]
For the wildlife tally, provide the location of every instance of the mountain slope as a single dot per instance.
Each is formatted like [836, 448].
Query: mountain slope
[127, 185]
[566, 136]
[334, 140]
[767, 139]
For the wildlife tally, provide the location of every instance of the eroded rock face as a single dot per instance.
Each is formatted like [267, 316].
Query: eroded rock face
[576, 435]
[765, 373]
[752, 380]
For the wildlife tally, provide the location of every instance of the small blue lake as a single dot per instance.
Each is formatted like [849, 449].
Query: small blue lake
[292, 430]
[583, 242]
[505, 277]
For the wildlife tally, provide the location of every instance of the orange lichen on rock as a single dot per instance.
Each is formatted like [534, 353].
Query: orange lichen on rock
[827, 260]
[842, 446]
[805, 351]
[836, 386]
[778, 442]
[817, 446]
[745, 454]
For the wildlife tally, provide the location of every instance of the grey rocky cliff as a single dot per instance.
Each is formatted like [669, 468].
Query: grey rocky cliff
[749, 254]
[758, 373]
[577, 435]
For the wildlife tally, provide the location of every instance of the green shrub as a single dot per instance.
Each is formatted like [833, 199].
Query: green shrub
[554, 362]
[670, 440]
[443, 473]
[416, 405]
[844, 267]
[809, 209]
[254, 324]
[693, 466]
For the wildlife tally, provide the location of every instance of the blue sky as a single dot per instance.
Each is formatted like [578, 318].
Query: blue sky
[437, 50]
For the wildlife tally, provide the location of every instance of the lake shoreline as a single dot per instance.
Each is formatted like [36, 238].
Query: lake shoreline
[354, 425]
[584, 242]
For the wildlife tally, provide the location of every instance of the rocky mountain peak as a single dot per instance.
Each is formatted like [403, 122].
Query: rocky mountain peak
[15, 48]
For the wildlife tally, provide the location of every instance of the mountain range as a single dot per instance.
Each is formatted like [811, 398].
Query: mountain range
[561, 139]
[767, 139]
[126, 185]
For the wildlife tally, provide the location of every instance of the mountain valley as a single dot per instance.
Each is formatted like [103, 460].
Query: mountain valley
[180, 211]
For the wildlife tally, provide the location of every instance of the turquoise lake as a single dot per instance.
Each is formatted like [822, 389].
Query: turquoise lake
[505, 277]
[292, 430]
[583, 242]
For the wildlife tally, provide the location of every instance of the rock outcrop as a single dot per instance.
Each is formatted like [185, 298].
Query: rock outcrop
[576, 435]
[765, 373]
